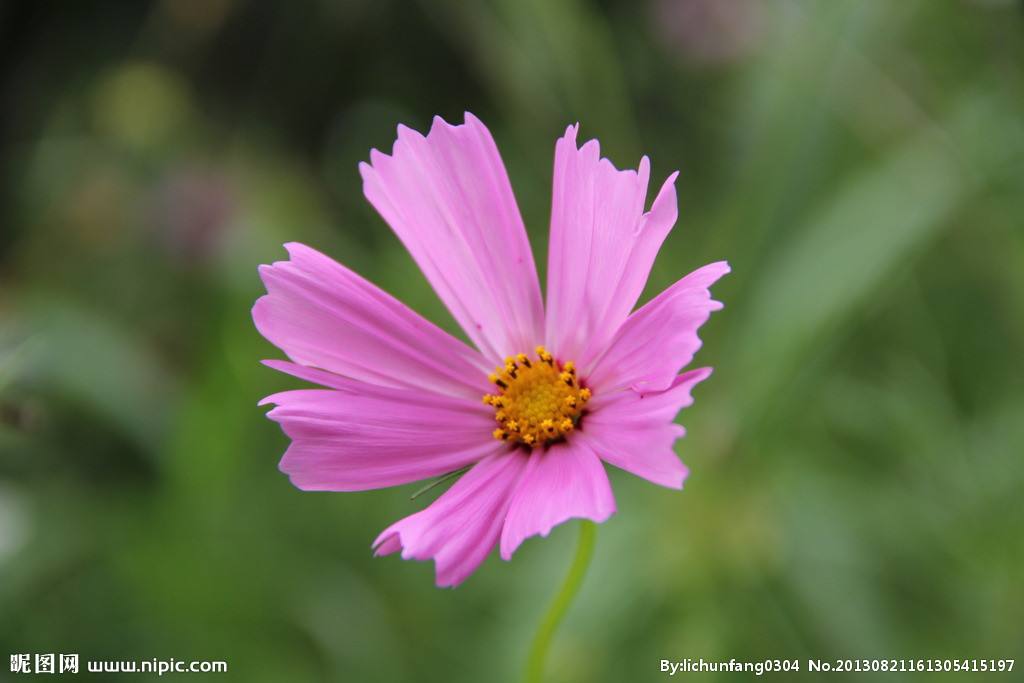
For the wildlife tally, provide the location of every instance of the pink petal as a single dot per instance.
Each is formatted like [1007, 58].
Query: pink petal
[460, 528]
[633, 430]
[314, 375]
[360, 436]
[602, 246]
[448, 198]
[659, 339]
[322, 314]
[560, 483]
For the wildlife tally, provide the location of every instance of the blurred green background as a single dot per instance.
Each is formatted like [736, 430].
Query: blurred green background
[857, 484]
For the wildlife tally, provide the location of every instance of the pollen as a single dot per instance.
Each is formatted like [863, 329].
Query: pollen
[537, 401]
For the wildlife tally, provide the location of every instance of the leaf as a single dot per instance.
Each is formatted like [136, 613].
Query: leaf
[856, 240]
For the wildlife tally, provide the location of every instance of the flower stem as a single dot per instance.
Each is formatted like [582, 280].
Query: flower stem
[560, 605]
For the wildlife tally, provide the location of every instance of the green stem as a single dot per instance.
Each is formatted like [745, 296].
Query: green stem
[560, 605]
[440, 480]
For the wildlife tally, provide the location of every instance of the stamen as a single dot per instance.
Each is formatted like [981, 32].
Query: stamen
[538, 403]
[544, 355]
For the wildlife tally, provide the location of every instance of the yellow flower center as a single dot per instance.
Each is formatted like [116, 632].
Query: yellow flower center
[538, 401]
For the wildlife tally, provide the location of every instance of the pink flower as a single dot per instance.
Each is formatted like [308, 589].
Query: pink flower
[579, 381]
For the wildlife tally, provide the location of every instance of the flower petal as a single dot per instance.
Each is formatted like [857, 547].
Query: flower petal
[565, 481]
[314, 375]
[360, 436]
[460, 528]
[602, 246]
[322, 314]
[659, 339]
[634, 430]
[448, 198]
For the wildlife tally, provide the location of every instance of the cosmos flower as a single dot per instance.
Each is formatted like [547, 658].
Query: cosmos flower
[546, 393]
